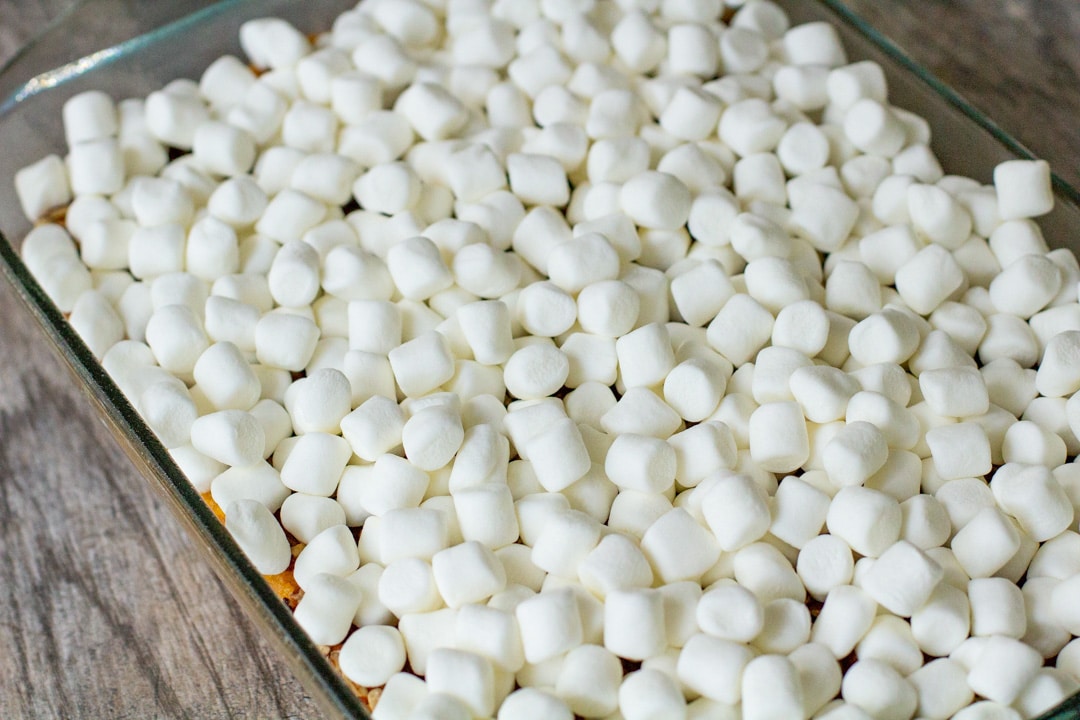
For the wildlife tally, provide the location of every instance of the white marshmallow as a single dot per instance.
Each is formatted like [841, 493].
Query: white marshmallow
[1034, 497]
[740, 329]
[798, 512]
[589, 679]
[1002, 669]
[668, 542]
[634, 623]
[770, 688]
[713, 667]
[42, 186]
[252, 482]
[778, 437]
[844, 619]
[655, 200]
[879, 690]
[637, 462]
[902, 579]
[1025, 286]
[1023, 189]
[959, 450]
[422, 364]
[928, 279]
[855, 453]
[736, 511]
[868, 520]
[825, 562]
[259, 535]
[333, 551]
[546, 310]
[550, 624]
[326, 610]
[823, 215]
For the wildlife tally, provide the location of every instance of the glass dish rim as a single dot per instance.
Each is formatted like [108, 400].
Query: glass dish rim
[152, 459]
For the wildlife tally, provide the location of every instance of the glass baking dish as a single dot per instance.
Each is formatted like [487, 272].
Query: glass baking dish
[158, 42]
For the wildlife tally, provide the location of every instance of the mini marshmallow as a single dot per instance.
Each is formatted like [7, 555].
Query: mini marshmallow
[259, 535]
[537, 179]
[928, 278]
[770, 688]
[730, 612]
[422, 364]
[713, 667]
[637, 462]
[380, 137]
[855, 453]
[272, 43]
[1002, 669]
[690, 114]
[997, 608]
[485, 514]
[937, 217]
[372, 655]
[823, 215]
[564, 541]
[305, 516]
[902, 579]
[173, 117]
[42, 186]
[985, 543]
[597, 570]
[545, 309]
[868, 520]
[879, 690]
[740, 329]
[285, 341]
[767, 572]
[798, 512]
[778, 437]
[608, 308]
[1023, 189]
[333, 551]
[736, 511]
[959, 450]
[589, 680]
[759, 177]
[558, 455]
[326, 609]
[315, 463]
[1025, 286]
[1034, 497]
[750, 126]
[550, 624]
[535, 371]
[259, 482]
[678, 548]
[634, 623]
[694, 388]
[655, 200]
[955, 391]
[467, 573]
[407, 586]
[852, 290]
[223, 149]
[289, 215]
[374, 427]
[825, 562]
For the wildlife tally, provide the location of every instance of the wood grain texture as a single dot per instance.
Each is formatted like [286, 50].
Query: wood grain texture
[110, 611]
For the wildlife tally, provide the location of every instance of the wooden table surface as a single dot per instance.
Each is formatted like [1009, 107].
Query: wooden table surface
[111, 613]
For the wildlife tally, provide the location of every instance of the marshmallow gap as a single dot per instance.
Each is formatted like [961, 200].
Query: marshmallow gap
[570, 335]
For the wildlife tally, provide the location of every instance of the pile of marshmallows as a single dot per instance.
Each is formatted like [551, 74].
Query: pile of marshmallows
[607, 359]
